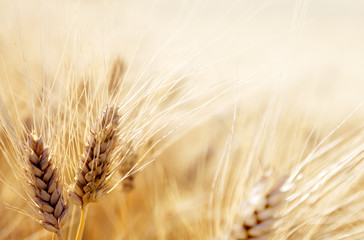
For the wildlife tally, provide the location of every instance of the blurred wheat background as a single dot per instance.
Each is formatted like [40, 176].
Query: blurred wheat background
[218, 99]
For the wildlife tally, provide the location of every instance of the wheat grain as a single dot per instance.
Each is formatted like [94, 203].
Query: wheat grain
[46, 184]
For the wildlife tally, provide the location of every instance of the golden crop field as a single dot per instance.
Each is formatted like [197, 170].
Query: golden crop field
[167, 119]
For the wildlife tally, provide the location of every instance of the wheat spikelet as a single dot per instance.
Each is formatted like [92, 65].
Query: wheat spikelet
[46, 184]
[259, 221]
[95, 165]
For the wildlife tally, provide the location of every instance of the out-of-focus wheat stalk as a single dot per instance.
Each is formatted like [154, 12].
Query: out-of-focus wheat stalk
[129, 159]
[258, 215]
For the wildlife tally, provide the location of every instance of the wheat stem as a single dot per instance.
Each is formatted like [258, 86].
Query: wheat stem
[82, 223]
[60, 236]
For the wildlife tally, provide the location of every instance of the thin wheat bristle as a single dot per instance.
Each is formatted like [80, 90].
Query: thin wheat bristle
[259, 221]
[95, 165]
[46, 184]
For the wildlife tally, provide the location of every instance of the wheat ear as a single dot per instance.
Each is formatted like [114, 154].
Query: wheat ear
[95, 168]
[94, 172]
[259, 221]
[46, 184]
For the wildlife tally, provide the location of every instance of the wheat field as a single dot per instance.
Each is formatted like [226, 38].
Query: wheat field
[168, 119]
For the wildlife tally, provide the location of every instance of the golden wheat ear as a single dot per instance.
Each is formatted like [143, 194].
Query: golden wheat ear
[46, 184]
[258, 221]
[94, 172]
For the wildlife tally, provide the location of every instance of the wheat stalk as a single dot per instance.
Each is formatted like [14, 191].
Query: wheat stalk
[116, 77]
[263, 206]
[46, 184]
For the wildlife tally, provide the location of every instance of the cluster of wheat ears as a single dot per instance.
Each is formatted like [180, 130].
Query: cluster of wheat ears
[148, 143]
[64, 169]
